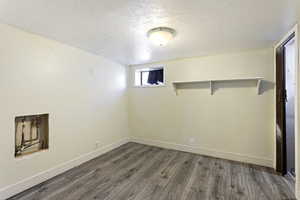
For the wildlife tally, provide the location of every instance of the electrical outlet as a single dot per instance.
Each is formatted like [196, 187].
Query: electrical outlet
[97, 144]
[192, 140]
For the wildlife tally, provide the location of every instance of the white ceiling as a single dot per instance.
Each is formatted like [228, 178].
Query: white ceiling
[116, 29]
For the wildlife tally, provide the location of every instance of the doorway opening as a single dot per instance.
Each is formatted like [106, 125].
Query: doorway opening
[285, 106]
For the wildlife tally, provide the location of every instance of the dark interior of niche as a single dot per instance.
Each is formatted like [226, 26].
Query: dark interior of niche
[31, 134]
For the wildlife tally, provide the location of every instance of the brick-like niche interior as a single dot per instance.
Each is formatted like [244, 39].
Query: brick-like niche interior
[31, 134]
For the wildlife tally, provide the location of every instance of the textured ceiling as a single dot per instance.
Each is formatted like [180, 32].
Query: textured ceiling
[116, 29]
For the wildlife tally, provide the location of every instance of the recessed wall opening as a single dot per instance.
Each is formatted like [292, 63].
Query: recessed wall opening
[31, 134]
[149, 77]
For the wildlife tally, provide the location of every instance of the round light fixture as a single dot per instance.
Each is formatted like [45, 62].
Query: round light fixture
[161, 35]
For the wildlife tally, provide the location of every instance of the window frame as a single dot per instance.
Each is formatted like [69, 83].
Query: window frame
[147, 69]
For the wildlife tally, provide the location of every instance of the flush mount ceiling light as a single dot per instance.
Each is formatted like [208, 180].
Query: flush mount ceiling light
[161, 35]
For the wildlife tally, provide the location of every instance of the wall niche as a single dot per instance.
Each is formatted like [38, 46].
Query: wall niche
[31, 134]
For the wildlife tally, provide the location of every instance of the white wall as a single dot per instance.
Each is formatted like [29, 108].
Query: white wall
[84, 94]
[234, 123]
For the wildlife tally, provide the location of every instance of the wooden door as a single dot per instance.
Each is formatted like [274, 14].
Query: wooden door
[280, 111]
[281, 155]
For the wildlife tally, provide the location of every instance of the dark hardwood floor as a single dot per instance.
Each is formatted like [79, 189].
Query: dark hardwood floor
[139, 172]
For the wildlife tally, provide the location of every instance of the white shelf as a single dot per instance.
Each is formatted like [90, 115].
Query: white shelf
[212, 81]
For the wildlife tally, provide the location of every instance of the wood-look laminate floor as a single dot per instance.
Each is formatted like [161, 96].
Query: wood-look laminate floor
[139, 172]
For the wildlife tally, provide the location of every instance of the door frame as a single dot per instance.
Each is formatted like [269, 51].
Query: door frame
[281, 95]
[294, 31]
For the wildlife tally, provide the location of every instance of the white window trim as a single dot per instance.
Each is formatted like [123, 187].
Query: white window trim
[150, 86]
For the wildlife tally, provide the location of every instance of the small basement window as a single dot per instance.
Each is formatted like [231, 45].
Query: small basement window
[149, 77]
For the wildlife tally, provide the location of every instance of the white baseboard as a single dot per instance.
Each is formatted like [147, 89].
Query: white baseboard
[27, 183]
[208, 152]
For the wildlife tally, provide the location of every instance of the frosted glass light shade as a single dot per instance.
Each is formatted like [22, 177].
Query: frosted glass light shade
[161, 36]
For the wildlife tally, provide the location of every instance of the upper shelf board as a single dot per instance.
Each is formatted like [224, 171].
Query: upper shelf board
[258, 79]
